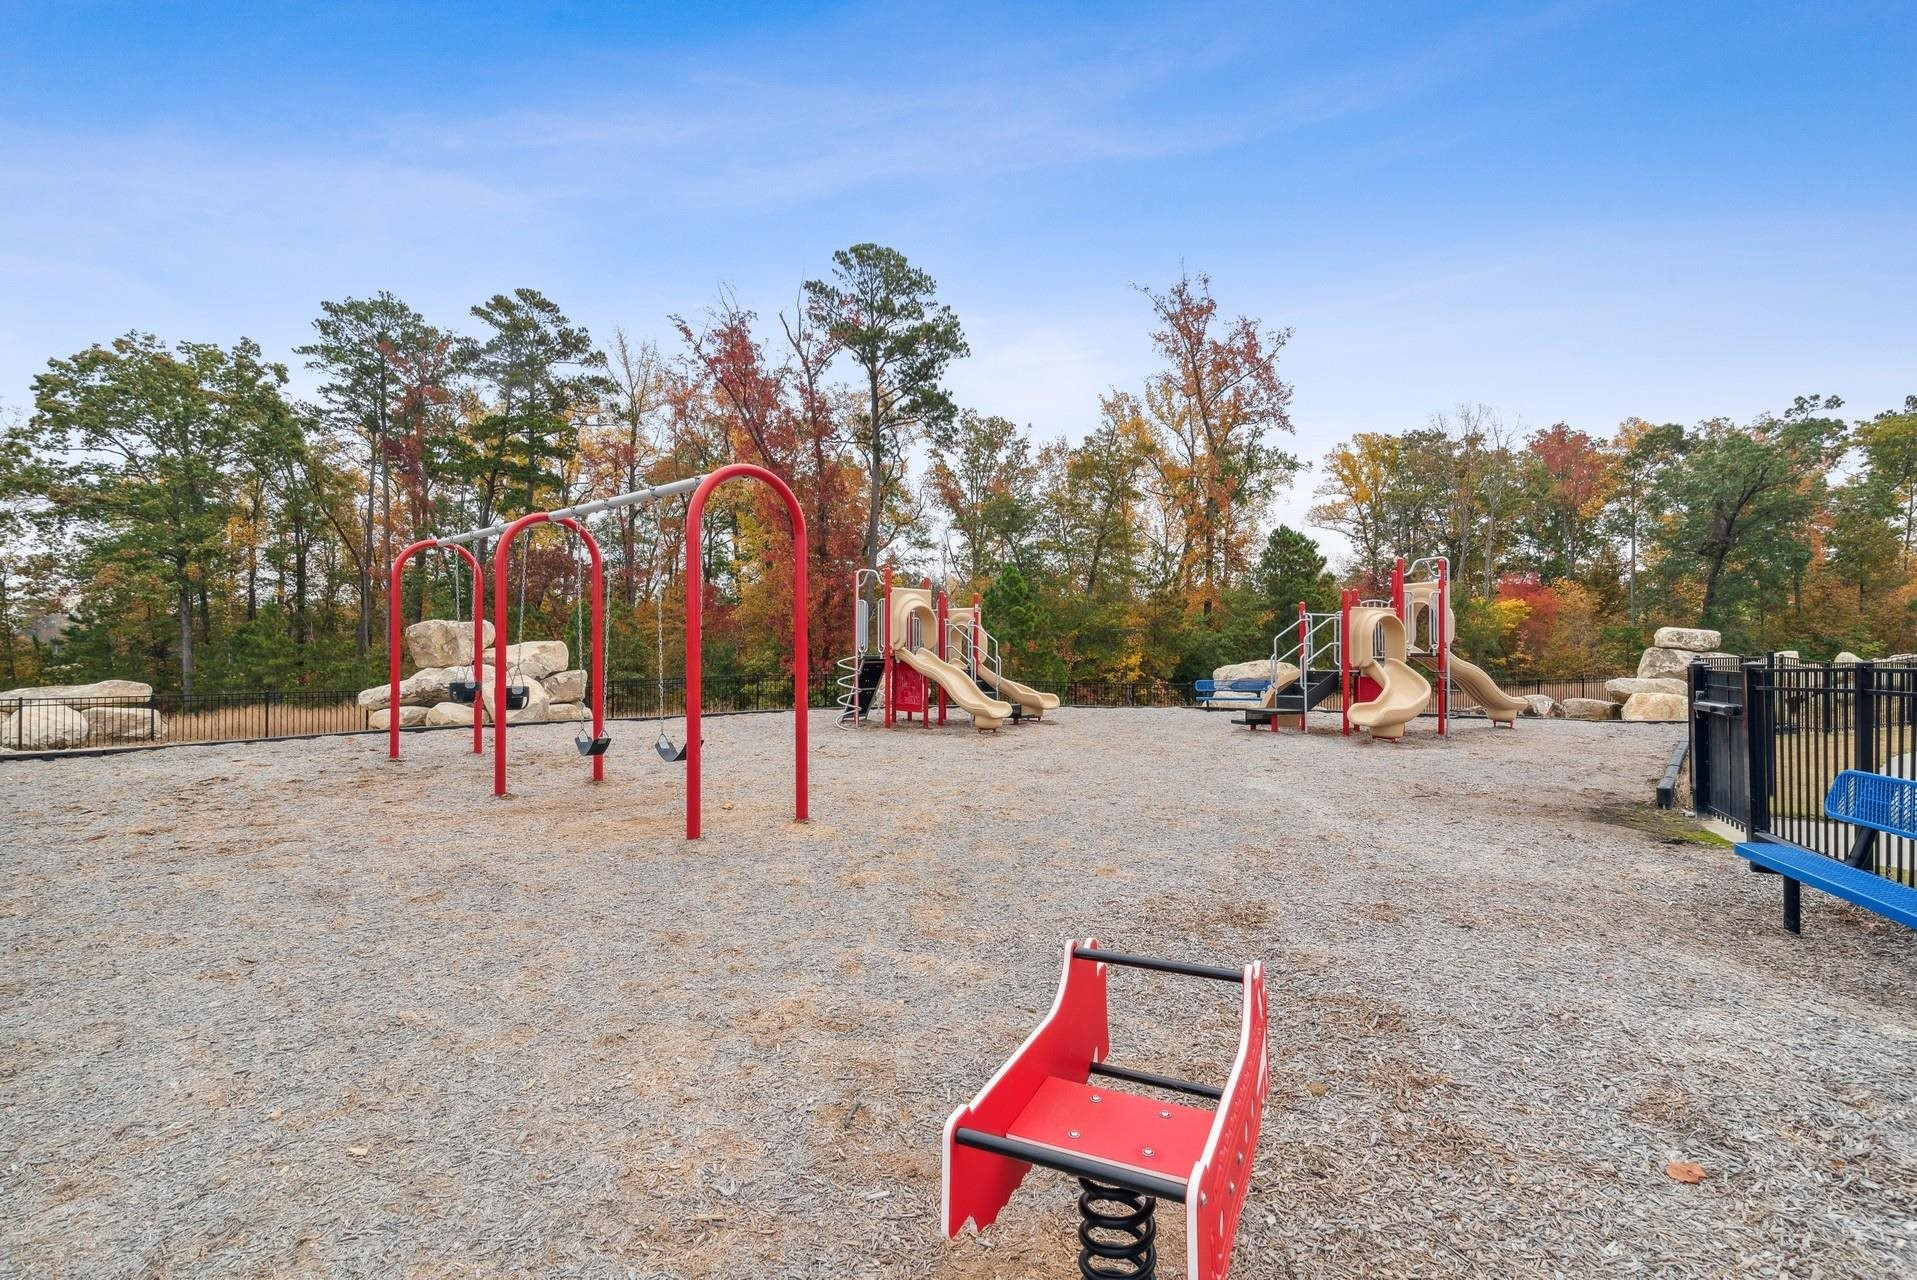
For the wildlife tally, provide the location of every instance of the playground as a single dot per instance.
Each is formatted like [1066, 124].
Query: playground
[296, 1008]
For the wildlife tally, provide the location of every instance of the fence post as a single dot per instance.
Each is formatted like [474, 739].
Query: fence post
[1863, 754]
[266, 716]
[1757, 793]
[1700, 766]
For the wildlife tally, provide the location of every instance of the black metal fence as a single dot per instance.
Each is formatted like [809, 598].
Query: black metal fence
[44, 725]
[1769, 738]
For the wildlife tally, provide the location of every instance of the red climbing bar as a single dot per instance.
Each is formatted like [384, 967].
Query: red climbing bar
[801, 633]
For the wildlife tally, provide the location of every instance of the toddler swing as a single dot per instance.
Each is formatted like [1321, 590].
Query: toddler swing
[464, 691]
[587, 744]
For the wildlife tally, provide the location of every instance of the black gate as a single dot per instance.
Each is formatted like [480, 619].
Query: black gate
[1720, 742]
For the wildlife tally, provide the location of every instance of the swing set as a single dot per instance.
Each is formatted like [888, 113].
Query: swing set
[508, 696]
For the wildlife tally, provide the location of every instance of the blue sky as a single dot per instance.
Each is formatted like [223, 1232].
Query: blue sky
[1573, 211]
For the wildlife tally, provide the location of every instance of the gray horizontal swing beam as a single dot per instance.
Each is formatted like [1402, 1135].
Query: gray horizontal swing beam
[636, 498]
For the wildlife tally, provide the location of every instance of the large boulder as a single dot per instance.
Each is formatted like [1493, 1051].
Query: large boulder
[1257, 669]
[443, 642]
[409, 717]
[566, 686]
[1542, 705]
[536, 659]
[447, 713]
[569, 713]
[124, 724]
[1663, 664]
[538, 706]
[1588, 708]
[1694, 639]
[118, 690]
[1623, 688]
[1788, 655]
[423, 688]
[1846, 659]
[1660, 707]
[46, 726]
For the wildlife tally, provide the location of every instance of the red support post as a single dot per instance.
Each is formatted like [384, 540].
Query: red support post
[943, 604]
[393, 638]
[502, 562]
[885, 633]
[1397, 588]
[1304, 673]
[1441, 641]
[801, 632]
[1344, 656]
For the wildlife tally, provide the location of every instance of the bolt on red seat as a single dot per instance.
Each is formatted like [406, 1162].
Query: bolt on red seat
[1049, 1105]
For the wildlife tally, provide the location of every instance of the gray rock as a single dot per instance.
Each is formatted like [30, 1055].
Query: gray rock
[538, 706]
[536, 659]
[1622, 688]
[1788, 655]
[566, 686]
[443, 642]
[1588, 708]
[423, 688]
[1846, 659]
[569, 713]
[446, 714]
[1656, 707]
[1695, 639]
[121, 690]
[124, 724]
[48, 726]
[1257, 669]
[409, 717]
[1663, 664]
[1543, 706]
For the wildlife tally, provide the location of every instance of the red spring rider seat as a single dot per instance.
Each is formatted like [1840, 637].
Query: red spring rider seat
[1049, 1106]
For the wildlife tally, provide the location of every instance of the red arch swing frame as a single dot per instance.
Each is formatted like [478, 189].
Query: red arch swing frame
[393, 581]
[695, 620]
[502, 563]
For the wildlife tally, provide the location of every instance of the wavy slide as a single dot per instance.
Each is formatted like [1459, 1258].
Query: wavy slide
[1034, 702]
[986, 712]
[1497, 704]
[1402, 695]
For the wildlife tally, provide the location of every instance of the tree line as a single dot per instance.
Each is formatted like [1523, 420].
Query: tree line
[170, 512]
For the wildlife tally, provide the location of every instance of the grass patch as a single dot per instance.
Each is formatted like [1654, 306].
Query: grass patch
[1667, 825]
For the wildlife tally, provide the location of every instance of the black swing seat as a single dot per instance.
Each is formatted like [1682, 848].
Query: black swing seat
[668, 752]
[590, 746]
[515, 697]
[464, 691]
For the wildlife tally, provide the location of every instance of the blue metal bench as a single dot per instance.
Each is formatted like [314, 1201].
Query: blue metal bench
[1868, 800]
[1244, 691]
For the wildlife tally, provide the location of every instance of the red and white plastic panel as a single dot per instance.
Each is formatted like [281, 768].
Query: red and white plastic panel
[1215, 1192]
[1071, 1037]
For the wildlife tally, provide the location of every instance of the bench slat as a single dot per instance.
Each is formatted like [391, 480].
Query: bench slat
[1887, 898]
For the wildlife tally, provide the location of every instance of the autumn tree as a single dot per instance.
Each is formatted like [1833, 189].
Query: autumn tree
[885, 314]
[1213, 409]
[984, 482]
[353, 352]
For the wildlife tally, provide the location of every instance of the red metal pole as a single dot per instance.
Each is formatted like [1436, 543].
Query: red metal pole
[479, 638]
[1344, 657]
[978, 625]
[1397, 588]
[393, 632]
[925, 712]
[801, 634]
[1442, 642]
[597, 670]
[1304, 673]
[502, 564]
[885, 634]
[943, 604]
[392, 644]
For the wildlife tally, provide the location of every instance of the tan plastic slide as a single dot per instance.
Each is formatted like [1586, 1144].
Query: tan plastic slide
[1497, 704]
[986, 713]
[1377, 640]
[1034, 702]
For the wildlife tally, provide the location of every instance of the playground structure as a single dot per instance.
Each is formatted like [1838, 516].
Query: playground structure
[1128, 1151]
[469, 690]
[573, 520]
[1391, 657]
[920, 636]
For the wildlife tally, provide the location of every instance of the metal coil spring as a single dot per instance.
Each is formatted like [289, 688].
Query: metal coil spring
[1116, 1243]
